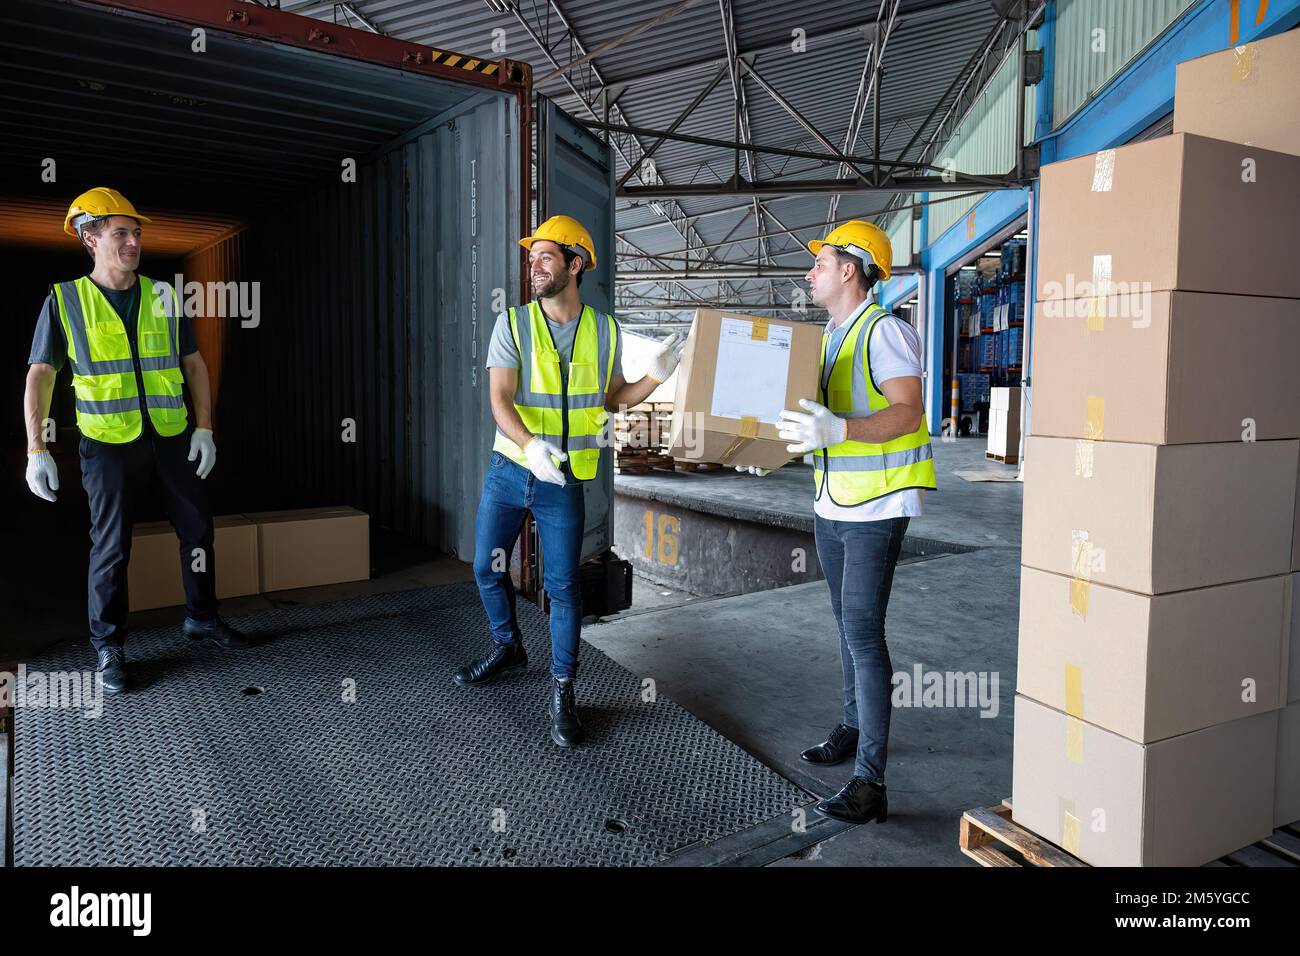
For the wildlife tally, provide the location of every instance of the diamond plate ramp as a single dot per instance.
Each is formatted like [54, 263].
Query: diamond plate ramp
[194, 769]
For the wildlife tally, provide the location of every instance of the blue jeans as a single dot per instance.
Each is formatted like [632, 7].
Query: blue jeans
[508, 491]
[858, 559]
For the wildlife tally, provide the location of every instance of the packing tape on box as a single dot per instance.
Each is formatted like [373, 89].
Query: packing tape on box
[1095, 313]
[1080, 592]
[759, 331]
[1243, 62]
[1103, 171]
[1081, 555]
[1074, 690]
[1094, 418]
[1070, 828]
[1083, 457]
[1074, 740]
[748, 426]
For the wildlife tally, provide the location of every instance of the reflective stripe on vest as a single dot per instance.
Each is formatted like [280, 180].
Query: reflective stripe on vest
[853, 472]
[541, 394]
[103, 370]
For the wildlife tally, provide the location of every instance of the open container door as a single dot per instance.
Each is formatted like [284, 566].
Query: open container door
[576, 178]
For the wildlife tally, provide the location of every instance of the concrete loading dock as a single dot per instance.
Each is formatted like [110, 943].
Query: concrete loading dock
[730, 632]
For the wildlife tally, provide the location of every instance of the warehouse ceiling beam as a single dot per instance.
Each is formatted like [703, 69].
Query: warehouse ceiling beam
[786, 187]
[619, 40]
[352, 13]
[671, 212]
[712, 275]
[650, 150]
[945, 8]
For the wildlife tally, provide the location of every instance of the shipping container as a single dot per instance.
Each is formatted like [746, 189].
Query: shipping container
[366, 193]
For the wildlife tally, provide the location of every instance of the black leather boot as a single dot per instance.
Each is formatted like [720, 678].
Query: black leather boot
[218, 632]
[566, 731]
[837, 748]
[112, 669]
[859, 802]
[500, 660]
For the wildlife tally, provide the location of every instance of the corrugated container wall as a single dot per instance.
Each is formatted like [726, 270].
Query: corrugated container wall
[363, 382]
[1096, 38]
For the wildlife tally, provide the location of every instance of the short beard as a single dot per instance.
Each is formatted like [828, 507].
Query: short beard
[557, 285]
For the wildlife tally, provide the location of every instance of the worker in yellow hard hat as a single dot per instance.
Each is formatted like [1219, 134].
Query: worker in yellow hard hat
[554, 372]
[132, 351]
[872, 464]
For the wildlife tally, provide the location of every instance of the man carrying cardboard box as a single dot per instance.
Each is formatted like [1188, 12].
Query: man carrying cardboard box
[554, 372]
[132, 350]
[872, 464]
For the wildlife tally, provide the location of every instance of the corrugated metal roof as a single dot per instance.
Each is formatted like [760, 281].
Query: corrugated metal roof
[662, 70]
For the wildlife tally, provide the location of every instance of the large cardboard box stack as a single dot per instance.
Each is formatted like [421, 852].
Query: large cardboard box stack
[737, 373]
[1159, 506]
[1004, 424]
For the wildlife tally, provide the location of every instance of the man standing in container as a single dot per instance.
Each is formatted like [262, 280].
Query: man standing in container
[554, 369]
[872, 463]
[132, 351]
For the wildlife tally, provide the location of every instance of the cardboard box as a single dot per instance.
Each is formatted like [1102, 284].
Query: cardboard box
[154, 574]
[1147, 378]
[1158, 518]
[1149, 668]
[1005, 399]
[737, 373]
[312, 546]
[1004, 432]
[1286, 800]
[1170, 213]
[1246, 94]
[1183, 801]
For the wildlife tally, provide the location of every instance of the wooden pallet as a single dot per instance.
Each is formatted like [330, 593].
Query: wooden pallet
[1005, 459]
[990, 837]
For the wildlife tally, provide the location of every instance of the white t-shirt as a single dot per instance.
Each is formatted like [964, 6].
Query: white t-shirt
[894, 351]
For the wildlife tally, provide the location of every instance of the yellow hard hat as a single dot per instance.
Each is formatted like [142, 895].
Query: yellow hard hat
[862, 239]
[566, 231]
[96, 203]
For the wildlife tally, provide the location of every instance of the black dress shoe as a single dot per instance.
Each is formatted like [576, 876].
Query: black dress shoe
[838, 747]
[566, 731]
[112, 669]
[217, 631]
[859, 802]
[500, 660]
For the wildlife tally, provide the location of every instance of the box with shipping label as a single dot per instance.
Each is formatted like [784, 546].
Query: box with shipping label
[737, 373]
[1286, 801]
[1182, 801]
[311, 546]
[1190, 367]
[1246, 94]
[154, 574]
[1176, 212]
[1158, 518]
[1148, 667]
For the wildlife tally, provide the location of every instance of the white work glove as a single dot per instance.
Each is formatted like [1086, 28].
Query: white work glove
[42, 475]
[754, 470]
[539, 460]
[664, 362]
[204, 449]
[821, 428]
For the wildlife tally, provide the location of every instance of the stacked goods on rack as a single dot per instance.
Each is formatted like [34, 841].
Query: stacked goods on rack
[1156, 678]
[641, 442]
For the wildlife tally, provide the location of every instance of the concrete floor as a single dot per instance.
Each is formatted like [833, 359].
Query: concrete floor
[763, 668]
[960, 515]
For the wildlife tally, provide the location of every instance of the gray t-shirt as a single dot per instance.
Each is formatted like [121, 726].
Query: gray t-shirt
[503, 354]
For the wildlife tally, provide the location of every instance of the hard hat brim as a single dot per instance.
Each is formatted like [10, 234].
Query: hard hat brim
[67, 223]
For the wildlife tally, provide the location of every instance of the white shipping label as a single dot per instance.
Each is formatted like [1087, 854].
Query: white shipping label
[751, 373]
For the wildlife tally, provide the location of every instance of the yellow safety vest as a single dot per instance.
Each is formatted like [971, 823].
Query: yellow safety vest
[544, 399]
[103, 370]
[855, 472]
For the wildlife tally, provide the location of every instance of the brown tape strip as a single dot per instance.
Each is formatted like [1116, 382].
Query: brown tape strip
[1080, 591]
[1074, 740]
[732, 450]
[759, 333]
[1074, 690]
[748, 426]
[1094, 418]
